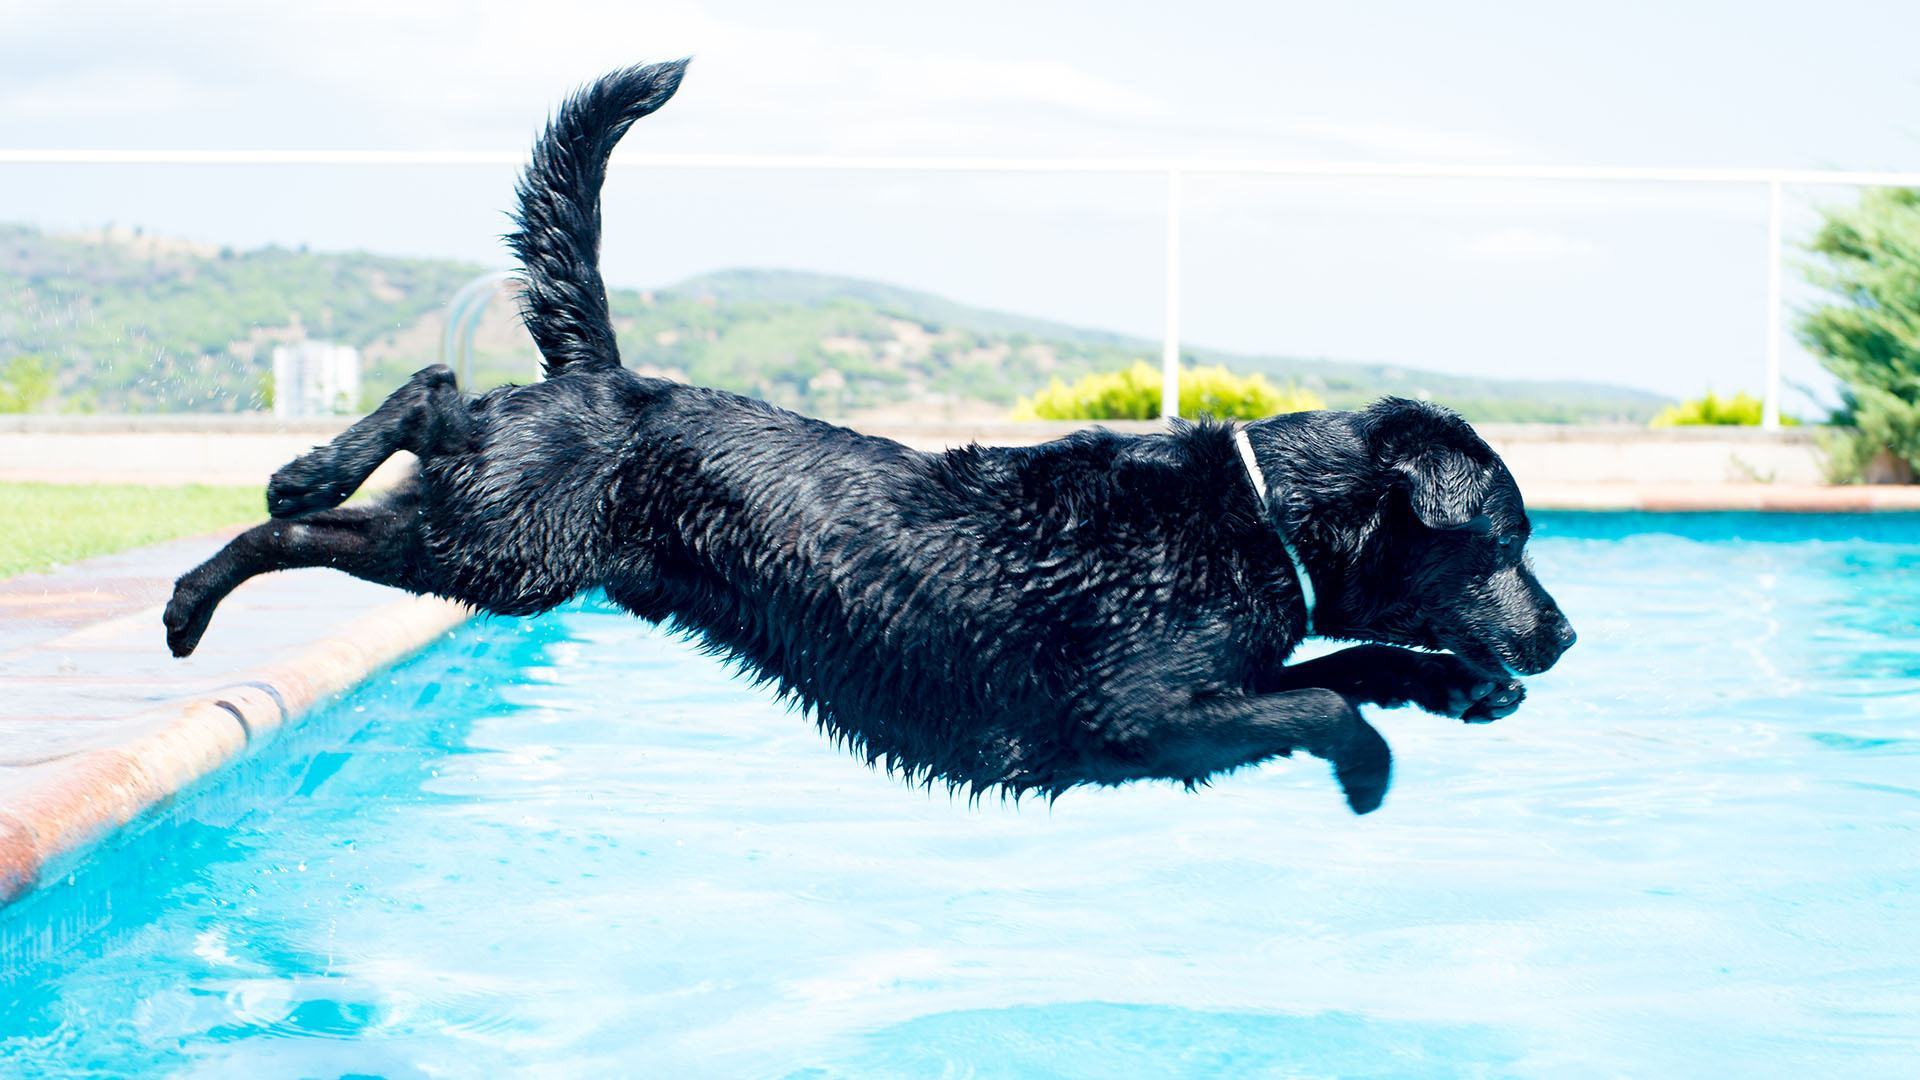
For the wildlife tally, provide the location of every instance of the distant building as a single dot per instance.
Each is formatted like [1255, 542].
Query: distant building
[315, 378]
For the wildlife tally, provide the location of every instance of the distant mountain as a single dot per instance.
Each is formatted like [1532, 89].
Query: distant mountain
[807, 289]
[139, 323]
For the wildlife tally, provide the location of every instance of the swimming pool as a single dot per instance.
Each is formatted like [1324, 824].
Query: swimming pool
[575, 846]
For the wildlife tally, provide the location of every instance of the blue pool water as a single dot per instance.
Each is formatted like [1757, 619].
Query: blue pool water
[573, 846]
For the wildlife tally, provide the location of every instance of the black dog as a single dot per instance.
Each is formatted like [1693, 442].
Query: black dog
[1099, 609]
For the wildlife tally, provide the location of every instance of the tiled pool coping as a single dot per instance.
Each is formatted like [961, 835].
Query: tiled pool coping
[1708, 498]
[98, 724]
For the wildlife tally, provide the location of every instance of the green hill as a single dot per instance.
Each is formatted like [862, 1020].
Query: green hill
[806, 289]
[130, 322]
[1344, 384]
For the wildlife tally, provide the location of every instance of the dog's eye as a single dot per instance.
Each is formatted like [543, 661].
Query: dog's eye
[1505, 539]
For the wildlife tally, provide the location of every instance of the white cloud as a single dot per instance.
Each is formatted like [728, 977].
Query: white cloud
[1401, 143]
[471, 66]
[114, 90]
[1527, 245]
[1023, 83]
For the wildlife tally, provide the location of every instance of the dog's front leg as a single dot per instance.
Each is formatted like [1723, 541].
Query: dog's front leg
[1388, 675]
[1196, 738]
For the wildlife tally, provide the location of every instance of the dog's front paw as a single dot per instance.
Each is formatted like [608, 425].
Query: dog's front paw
[303, 486]
[1501, 701]
[1448, 686]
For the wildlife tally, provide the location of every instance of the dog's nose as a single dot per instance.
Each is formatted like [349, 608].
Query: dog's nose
[1552, 640]
[1558, 639]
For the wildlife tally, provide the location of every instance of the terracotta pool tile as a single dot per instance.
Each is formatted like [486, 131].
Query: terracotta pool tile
[192, 744]
[19, 858]
[76, 800]
[1706, 498]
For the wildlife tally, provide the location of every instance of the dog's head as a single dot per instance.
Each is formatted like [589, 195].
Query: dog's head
[1434, 551]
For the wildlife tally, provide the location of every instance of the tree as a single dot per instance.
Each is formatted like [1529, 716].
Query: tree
[26, 383]
[1870, 340]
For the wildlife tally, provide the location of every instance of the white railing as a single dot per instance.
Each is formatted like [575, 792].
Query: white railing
[1775, 181]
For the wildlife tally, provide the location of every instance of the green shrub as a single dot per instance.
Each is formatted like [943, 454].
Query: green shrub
[26, 383]
[1134, 394]
[1740, 410]
[1870, 340]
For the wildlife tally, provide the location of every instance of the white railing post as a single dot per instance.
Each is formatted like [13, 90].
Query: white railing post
[1170, 342]
[1770, 400]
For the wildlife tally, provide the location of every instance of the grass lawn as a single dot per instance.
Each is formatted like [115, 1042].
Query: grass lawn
[43, 525]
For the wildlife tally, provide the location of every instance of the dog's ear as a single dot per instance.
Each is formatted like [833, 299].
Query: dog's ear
[1445, 488]
[1434, 458]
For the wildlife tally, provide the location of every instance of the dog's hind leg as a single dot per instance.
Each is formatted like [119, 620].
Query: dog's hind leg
[380, 543]
[425, 416]
[1215, 733]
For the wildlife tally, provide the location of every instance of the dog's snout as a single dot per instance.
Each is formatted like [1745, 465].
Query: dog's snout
[1555, 636]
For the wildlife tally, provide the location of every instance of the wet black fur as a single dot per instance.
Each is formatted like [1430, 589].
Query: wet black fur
[1098, 609]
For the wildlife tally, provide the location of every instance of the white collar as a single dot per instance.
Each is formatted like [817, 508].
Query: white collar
[1260, 488]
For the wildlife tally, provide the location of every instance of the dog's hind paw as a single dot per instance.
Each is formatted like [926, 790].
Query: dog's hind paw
[303, 486]
[1365, 771]
[186, 619]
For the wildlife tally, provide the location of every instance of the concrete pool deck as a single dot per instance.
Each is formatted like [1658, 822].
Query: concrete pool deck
[98, 724]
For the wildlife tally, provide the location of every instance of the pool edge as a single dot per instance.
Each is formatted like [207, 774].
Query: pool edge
[80, 800]
[1719, 498]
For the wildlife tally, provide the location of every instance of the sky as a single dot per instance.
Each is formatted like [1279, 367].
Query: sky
[1655, 286]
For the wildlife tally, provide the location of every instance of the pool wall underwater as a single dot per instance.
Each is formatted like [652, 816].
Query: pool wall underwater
[574, 845]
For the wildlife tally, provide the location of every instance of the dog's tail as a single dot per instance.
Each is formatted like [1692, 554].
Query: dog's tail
[558, 238]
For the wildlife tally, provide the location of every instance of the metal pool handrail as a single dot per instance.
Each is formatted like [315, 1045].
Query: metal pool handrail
[464, 312]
